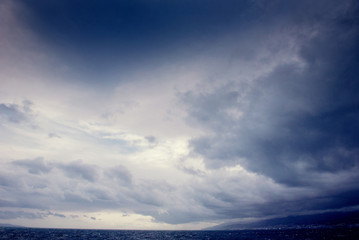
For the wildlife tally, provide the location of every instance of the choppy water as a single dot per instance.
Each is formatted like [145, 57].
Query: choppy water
[299, 234]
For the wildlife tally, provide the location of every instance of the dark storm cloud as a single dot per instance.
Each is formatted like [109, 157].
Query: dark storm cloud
[95, 38]
[296, 125]
[143, 23]
[284, 207]
[298, 120]
[94, 41]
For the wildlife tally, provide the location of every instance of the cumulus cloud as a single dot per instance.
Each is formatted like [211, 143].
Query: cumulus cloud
[116, 189]
[296, 120]
[63, 187]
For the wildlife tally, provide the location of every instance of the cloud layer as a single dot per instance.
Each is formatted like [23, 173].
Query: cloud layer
[178, 114]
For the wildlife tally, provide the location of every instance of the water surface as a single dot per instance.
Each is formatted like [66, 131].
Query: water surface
[297, 234]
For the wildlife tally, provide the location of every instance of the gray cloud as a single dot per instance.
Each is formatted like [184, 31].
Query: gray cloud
[216, 195]
[294, 121]
[19, 214]
[8, 181]
[62, 187]
[34, 166]
[56, 214]
[77, 169]
[53, 135]
[296, 125]
[15, 113]
[294, 128]
[29, 215]
[150, 139]
[120, 174]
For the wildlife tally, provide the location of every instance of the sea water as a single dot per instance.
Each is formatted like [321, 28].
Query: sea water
[297, 234]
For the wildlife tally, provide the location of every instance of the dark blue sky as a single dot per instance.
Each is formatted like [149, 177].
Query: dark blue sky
[98, 35]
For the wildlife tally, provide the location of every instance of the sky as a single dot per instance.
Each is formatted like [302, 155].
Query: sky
[177, 114]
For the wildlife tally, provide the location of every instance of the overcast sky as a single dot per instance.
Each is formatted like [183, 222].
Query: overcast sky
[177, 114]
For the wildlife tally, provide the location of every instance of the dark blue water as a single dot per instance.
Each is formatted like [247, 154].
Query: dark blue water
[298, 234]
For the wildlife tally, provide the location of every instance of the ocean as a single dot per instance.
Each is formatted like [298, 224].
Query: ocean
[297, 234]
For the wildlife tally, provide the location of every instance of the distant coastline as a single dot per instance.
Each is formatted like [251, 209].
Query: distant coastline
[323, 220]
[7, 225]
